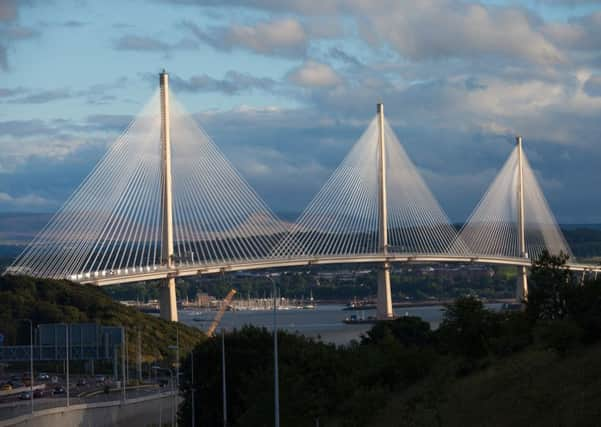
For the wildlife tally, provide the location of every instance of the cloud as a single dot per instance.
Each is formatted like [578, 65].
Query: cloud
[27, 201]
[592, 87]
[233, 83]
[98, 93]
[313, 74]
[342, 56]
[8, 10]
[111, 122]
[284, 37]
[42, 97]
[3, 58]
[450, 29]
[21, 128]
[309, 7]
[150, 44]
[426, 29]
[578, 34]
[10, 92]
[9, 31]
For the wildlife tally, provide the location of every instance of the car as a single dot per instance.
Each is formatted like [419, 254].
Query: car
[59, 390]
[38, 393]
[25, 395]
[82, 382]
[100, 378]
[42, 376]
[6, 387]
[163, 382]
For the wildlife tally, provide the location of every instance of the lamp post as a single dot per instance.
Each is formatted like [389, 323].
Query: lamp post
[176, 348]
[67, 351]
[192, 388]
[30, 359]
[158, 368]
[276, 382]
[224, 384]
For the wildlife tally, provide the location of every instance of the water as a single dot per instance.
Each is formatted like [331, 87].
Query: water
[325, 322]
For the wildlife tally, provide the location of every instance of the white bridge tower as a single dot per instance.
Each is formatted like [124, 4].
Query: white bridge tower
[384, 299]
[168, 302]
[521, 292]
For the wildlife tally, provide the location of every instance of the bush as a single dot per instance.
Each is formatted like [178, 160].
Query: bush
[559, 335]
[466, 328]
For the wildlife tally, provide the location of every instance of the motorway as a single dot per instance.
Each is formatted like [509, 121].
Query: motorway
[12, 406]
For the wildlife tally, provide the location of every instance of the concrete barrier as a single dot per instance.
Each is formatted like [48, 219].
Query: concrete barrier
[142, 411]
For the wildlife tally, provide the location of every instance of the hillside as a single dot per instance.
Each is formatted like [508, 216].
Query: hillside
[533, 388]
[56, 301]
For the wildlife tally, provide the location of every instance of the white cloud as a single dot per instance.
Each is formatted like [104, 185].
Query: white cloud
[285, 37]
[425, 28]
[313, 74]
[28, 201]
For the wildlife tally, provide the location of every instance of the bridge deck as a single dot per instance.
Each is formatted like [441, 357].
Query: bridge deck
[160, 272]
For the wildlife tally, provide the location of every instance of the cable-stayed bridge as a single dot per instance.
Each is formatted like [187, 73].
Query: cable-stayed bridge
[164, 202]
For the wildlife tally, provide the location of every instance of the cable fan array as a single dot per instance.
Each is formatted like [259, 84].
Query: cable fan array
[343, 219]
[112, 223]
[218, 217]
[492, 229]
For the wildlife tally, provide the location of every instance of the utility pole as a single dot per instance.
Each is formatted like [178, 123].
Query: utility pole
[177, 357]
[168, 297]
[68, 350]
[224, 389]
[276, 381]
[30, 359]
[522, 281]
[384, 298]
[126, 360]
[123, 395]
[139, 357]
[193, 388]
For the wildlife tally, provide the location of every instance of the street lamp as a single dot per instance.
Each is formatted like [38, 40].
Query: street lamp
[192, 388]
[67, 351]
[276, 382]
[158, 368]
[30, 359]
[223, 377]
[176, 348]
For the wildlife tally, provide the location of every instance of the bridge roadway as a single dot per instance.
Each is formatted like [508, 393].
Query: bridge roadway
[140, 274]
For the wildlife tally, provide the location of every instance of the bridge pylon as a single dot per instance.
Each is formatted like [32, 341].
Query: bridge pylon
[168, 302]
[384, 298]
[521, 291]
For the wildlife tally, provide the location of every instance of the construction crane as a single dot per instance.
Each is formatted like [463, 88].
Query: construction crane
[226, 301]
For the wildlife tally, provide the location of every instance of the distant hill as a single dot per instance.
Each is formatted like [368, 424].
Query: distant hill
[17, 229]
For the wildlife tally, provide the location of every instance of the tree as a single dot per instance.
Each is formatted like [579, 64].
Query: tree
[550, 284]
[467, 327]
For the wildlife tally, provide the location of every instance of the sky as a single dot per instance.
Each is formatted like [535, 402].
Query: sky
[285, 88]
